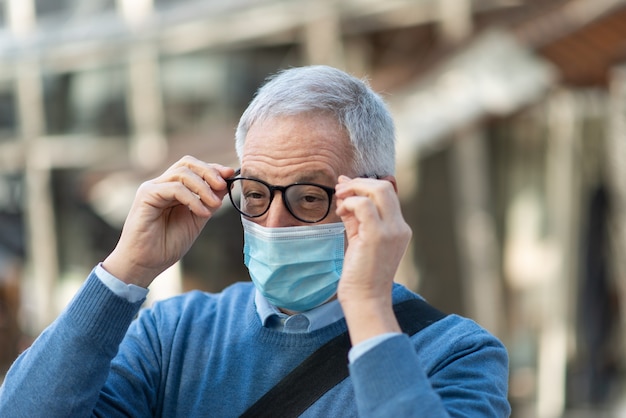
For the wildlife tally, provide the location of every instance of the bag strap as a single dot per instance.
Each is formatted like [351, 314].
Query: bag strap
[328, 366]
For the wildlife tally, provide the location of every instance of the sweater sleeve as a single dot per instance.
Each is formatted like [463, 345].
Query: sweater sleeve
[64, 370]
[469, 377]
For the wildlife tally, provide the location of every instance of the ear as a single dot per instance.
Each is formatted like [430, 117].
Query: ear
[392, 180]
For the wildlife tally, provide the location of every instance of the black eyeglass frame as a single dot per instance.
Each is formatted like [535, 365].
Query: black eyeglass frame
[282, 189]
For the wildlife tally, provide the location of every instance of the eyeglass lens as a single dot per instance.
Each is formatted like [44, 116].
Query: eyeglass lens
[309, 203]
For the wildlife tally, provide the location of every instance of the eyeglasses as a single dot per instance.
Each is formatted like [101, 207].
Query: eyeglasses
[307, 202]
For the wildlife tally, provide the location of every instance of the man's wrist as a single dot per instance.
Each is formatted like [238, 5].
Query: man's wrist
[368, 319]
[126, 273]
[364, 346]
[130, 292]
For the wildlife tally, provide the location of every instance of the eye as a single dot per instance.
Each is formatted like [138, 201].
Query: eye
[253, 193]
[307, 196]
[312, 198]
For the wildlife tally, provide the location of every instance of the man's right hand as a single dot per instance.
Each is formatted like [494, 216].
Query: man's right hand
[165, 219]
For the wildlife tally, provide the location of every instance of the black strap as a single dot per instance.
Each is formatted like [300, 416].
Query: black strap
[328, 366]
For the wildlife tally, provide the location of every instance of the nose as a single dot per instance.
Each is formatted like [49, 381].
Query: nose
[277, 215]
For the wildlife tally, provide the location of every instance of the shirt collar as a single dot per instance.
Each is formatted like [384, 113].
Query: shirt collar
[318, 317]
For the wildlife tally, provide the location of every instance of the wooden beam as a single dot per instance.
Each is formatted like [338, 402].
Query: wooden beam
[66, 151]
[322, 40]
[557, 292]
[41, 250]
[148, 144]
[455, 20]
[616, 178]
[476, 232]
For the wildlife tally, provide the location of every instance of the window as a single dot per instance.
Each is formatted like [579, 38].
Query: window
[87, 102]
[8, 117]
[72, 9]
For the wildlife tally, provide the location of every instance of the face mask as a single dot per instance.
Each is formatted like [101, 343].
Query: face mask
[295, 268]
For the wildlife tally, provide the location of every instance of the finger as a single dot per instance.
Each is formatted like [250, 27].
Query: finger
[191, 181]
[380, 192]
[206, 181]
[166, 195]
[209, 170]
[212, 174]
[364, 187]
[361, 207]
[362, 218]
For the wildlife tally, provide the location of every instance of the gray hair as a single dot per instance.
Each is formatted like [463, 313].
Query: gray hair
[356, 106]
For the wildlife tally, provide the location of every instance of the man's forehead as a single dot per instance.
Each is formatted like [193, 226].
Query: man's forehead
[306, 147]
[294, 175]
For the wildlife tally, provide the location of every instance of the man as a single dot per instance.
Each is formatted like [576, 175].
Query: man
[323, 235]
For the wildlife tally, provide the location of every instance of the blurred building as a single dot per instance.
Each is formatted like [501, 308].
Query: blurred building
[511, 120]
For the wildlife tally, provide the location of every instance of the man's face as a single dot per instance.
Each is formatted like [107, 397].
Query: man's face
[284, 150]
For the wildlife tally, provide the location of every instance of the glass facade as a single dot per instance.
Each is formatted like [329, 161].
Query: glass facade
[87, 102]
[8, 117]
[69, 9]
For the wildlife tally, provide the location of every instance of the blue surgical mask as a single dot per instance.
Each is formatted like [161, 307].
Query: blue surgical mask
[295, 268]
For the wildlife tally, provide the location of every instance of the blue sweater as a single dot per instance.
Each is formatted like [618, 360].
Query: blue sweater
[201, 355]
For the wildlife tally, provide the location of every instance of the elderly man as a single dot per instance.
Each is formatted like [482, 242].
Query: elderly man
[324, 235]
